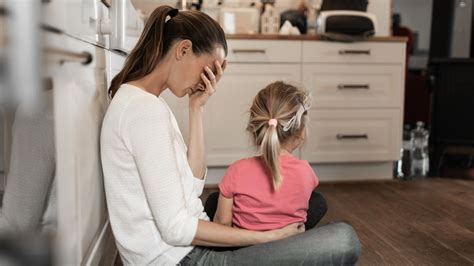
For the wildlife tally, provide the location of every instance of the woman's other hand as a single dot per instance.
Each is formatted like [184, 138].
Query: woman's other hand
[208, 86]
[287, 231]
[217, 235]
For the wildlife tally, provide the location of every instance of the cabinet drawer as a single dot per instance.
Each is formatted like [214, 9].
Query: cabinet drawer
[362, 52]
[353, 136]
[264, 51]
[361, 86]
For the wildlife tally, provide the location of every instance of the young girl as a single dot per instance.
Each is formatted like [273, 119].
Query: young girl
[272, 190]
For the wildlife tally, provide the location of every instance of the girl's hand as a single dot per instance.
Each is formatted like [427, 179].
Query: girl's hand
[208, 87]
[287, 231]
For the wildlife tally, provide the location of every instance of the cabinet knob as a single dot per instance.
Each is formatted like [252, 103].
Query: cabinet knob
[63, 55]
[249, 51]
[353, 136]
[350, 52]
[353, 86]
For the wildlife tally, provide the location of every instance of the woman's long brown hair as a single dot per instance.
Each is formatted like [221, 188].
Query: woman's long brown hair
[159, 35]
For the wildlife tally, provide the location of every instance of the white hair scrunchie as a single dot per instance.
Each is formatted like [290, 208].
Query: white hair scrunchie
[296, 119]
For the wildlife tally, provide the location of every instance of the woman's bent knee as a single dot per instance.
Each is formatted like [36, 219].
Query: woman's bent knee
[349, 245]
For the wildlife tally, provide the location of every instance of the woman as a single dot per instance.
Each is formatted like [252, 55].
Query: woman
[153, 181]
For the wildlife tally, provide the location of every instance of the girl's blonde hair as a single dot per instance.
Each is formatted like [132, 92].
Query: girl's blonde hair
[288, 105]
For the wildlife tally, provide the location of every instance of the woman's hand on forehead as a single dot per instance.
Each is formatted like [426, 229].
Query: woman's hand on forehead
[215, 67]
[208, 85]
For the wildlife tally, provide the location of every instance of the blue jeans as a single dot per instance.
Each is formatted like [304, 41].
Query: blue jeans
[331, 244]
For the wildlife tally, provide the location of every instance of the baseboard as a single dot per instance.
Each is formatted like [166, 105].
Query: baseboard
[103, 251]
[354, 171]
[373, 171]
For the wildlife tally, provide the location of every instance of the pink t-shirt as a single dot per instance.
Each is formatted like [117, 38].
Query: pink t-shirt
[256, 205]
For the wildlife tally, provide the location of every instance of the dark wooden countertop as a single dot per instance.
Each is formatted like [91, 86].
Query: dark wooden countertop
[309, 37]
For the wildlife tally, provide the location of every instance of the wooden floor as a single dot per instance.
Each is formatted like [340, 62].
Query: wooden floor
[425, 222]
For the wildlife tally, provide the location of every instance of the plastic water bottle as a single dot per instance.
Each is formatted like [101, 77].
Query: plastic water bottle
[403, 166]
[419, 150]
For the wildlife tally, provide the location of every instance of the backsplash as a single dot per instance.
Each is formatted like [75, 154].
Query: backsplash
[410, 11]
[380, 8]
[244, 15]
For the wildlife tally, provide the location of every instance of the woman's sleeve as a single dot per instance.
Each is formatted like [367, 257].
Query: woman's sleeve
[199, 184]
[152, 145]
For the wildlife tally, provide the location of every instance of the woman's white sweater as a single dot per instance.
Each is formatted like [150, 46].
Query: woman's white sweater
[152, 195]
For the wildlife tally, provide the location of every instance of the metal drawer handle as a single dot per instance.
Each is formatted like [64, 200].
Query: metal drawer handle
[344, 52]
[353, 86]
[84, 58]
[344, 136]
[249, 51]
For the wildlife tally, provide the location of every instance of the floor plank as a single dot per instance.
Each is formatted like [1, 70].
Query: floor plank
[421, 222]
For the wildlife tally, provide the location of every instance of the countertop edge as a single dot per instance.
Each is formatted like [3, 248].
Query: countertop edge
[306, 37]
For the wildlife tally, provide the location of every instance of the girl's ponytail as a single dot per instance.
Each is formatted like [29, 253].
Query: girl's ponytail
[270, 149]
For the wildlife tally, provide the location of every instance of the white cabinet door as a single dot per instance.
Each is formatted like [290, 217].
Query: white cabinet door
[264, 51]
[350, 53]
[353, 135]
[77, 18]
[226, 112]
[354, 86]
[80, 102]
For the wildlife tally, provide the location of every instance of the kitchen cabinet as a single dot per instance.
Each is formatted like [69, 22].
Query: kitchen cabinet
[79, 18]
[348, 53]
[357, 113]
[57, 89]
[357, 135]
[356, 118]
[264, 52]
[80, 102]
[358, 92]
[354, 85]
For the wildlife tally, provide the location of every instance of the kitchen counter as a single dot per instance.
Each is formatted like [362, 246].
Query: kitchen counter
[357, 116]
[305, 37]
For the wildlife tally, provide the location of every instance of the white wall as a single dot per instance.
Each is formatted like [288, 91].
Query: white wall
[416, 14]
